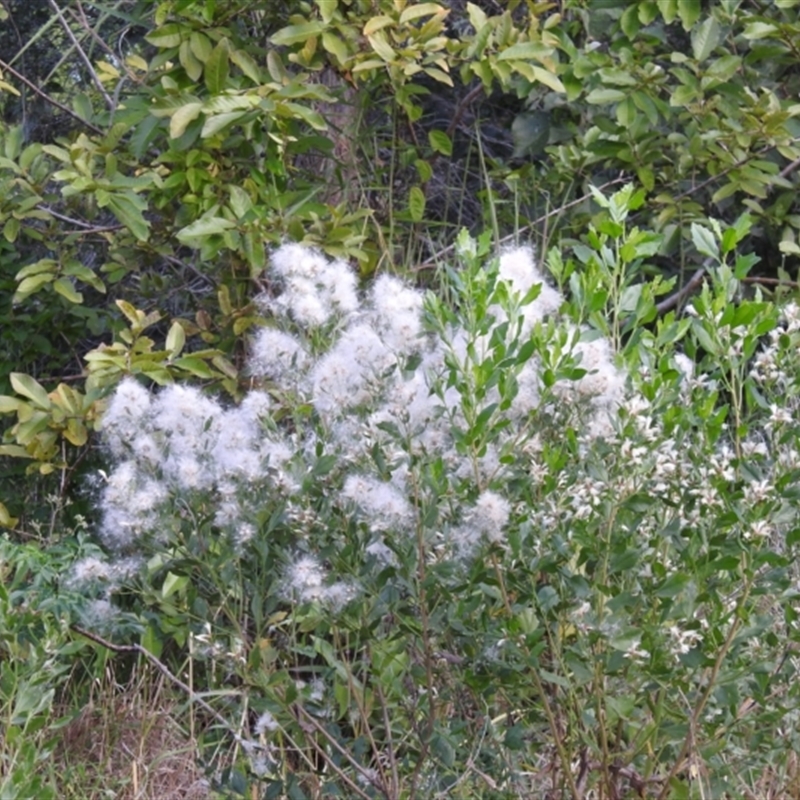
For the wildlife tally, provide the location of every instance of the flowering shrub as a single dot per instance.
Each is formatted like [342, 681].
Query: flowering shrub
[478, 545]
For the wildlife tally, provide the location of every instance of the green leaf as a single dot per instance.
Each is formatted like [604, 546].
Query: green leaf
[215, 124]
[440, 142]
[416, 204]
[704, 241]
[64, 287]
[201, 46]
[193, 365]
[240, 201]
[293, 34]
[705, 38]
[182, 117]
[176, 339]
[127, 208]
[525, 51]
[29, 286]
[336, 46]
[602, 97]
[169, 35]
[218, 68]
[205, 226]
[173, 583]
[689, 12]
[247, 65]
[417, 10]
[29, 387]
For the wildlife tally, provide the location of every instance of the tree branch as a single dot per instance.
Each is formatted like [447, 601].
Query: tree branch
[51, 100]
[87, 63]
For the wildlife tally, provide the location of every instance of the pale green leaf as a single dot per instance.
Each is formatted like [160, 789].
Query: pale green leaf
[182, 117]
[705, 38]
[218, 68]
[29, 387]
[169, 35]
[29, 286]
[205, 226]
[525, 51]
[240, 201]
[417, 10]
[440, 142]
[127, 208]
[247, 65]
[382, 47]
[215, 124]
[416, 203]
[64, 287]
[201, 45]
[602, 97]
[704, 241]
[293, 34]
[176, 339]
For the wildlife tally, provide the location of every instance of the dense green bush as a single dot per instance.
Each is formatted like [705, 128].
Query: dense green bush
[580, 571]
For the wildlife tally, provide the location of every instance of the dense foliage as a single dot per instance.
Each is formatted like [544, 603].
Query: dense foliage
[421, 511]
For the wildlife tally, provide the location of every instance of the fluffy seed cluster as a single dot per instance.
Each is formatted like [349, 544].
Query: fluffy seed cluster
[379, 385]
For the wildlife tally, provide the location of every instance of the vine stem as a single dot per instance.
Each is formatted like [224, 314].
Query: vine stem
[701, 703]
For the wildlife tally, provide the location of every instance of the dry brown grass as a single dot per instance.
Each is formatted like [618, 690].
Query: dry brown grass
[127, 743]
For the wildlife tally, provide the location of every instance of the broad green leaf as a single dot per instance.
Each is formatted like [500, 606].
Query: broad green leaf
[193, 67]
[127, 208]
[215, 124]
[759, 30]
[294, 34]
[440, 142]
[704, 241]
[374, 24]
[546, 77]
[195, 366]
[182, 117]
[382, 47]
[42, 265]
[173, 583]
[11, 229]
[327, 8]
[417, 10]
[29, 387]
[169, 35]
[201, 46]
[247, 65]
[525, 51]
[132, 314]
[30, 285]
[603, 97]
[336, 46]
[6, 520]
[705, 38]
[64, 287]
[416, 204]
[205, 226]
[689, 11]
[218, 68]
[240, 201]
[669, 10]
[176, 339]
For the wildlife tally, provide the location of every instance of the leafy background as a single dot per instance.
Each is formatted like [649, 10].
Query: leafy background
[152, 156]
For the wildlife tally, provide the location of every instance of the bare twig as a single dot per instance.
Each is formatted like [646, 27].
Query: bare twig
[51, 100]
[462, 106]
[87, 63]
[432, 263]
[309, 720]
[678, 297]
[164, 670]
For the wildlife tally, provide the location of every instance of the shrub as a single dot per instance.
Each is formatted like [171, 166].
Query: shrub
[463, 546]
